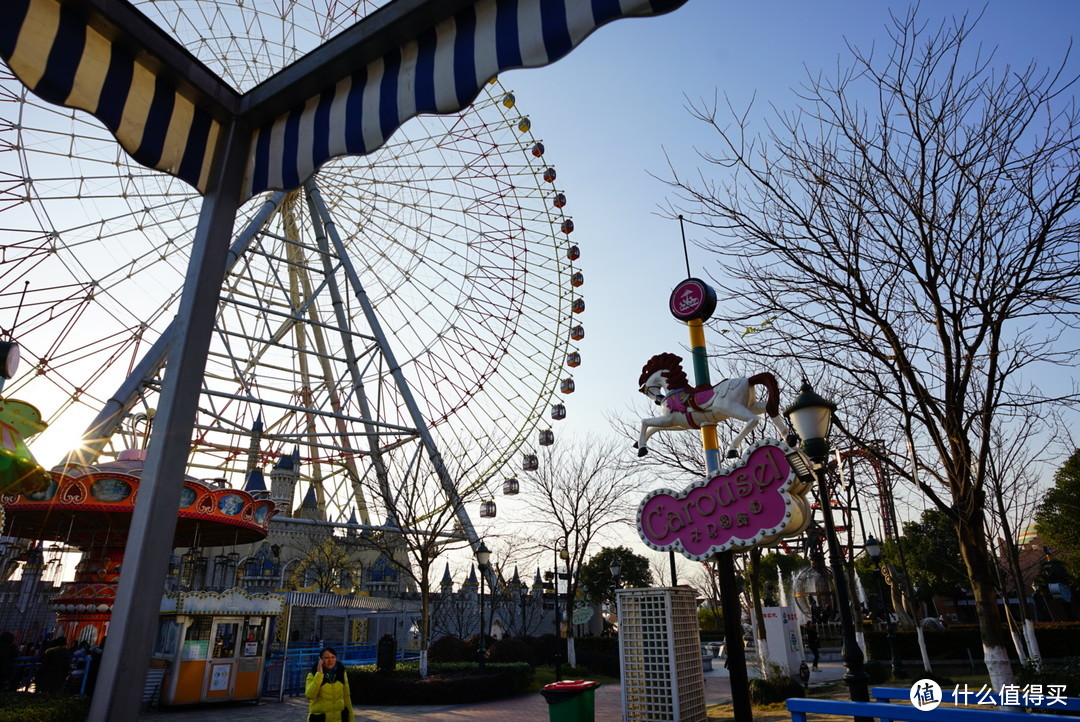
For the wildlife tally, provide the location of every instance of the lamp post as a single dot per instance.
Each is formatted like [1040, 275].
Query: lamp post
[811, 418]
[558, 626]
[564, 555]
[483, 555]
[616, 572]
[873, 548]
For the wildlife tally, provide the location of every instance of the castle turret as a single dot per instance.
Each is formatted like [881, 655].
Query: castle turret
[283, 478]
[309, 508]
[253, 447]
[255, 484]
[446, 586]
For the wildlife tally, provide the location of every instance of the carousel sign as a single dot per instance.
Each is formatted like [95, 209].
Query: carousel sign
[753, 504]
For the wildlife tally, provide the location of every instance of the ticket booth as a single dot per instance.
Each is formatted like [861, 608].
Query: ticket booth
[213, 646]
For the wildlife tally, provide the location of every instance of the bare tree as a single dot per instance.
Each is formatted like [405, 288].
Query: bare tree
[913, 228]
[582, 493]
[324, 563]
[1013, 474]
[421, 521]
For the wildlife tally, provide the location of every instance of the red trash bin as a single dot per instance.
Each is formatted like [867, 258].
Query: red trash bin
[571, 700]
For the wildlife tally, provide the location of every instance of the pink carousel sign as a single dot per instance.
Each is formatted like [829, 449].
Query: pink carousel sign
[752, 504]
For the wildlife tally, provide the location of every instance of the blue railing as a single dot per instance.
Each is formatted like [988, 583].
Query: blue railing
[302, 657]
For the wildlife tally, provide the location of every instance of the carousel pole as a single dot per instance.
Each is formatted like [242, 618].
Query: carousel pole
[702, 305]
[725, 561]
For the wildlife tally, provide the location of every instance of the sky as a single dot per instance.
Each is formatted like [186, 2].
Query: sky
[613, 111]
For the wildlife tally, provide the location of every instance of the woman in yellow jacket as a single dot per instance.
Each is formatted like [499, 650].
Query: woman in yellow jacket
[328, 689]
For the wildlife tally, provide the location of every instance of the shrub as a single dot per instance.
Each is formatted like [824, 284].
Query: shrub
[451, 683]
[19, 706]
[599, 654]
[1065, 671]
[878, 671]
[450, 649]
[511, 649]
[474, 644]
[545, 646]
[774, 687]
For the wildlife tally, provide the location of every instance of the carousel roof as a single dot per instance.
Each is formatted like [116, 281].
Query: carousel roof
[92, 506]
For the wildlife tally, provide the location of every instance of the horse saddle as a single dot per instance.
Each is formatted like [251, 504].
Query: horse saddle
[686, 402]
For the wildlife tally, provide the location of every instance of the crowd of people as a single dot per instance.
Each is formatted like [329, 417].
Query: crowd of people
[55, 668]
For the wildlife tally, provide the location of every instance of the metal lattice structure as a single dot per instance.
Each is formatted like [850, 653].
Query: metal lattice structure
[435, 270]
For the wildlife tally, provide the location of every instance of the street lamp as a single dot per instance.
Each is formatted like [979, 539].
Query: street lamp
[564, 555]
[616, 571]
[873, 548]
[811, 418]
[555, 597]
[483, 556]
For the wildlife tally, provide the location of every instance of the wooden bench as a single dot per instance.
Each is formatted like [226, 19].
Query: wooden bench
[988, 701]
[800, 707]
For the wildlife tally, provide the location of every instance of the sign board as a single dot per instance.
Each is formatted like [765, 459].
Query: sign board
[740, 507]
[219, 677]
[784, 638]
[692, 299]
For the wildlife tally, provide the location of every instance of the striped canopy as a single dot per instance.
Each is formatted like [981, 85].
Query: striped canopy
[346, 98]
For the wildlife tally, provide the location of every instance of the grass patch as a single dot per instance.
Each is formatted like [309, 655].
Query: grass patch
[777, 712]
[19, 706]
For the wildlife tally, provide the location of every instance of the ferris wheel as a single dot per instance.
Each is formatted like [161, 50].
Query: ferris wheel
[434, 278]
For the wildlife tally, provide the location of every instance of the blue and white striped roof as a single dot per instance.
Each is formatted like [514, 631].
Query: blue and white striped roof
[68, 54]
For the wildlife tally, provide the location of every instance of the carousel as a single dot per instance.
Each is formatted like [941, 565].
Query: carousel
[89, 508]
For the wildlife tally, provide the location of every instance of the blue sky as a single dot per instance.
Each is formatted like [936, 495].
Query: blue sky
[610, 111]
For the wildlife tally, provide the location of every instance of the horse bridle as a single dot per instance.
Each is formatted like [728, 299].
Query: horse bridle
[657, 396]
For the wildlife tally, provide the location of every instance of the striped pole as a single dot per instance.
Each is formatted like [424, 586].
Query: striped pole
[692, 302]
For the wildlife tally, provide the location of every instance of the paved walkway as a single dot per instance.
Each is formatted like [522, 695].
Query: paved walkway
[529, 708]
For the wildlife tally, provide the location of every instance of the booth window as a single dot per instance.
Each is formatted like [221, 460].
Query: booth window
[253, 638]
[225, 640]
[197, 639]
[167, 635]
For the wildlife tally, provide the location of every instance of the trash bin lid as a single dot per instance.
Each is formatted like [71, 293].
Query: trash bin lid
[557, 692]
[571, 684]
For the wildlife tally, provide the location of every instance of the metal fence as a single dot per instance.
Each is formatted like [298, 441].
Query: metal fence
[285, 674]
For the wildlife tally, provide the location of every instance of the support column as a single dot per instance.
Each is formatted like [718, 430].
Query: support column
[150, 540]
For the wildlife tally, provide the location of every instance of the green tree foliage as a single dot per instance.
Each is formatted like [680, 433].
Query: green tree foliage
[775, 565]
[711, 619]
[596, 573]
[1056, 517]
[931, 555]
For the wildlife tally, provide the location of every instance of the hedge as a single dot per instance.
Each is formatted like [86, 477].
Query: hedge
[449, 683]
[1057, 640]
[599, 654]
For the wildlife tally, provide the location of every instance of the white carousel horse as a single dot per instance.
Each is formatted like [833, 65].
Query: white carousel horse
[664, 380]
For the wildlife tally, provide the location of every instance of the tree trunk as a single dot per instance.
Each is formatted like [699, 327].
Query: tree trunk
[425, 620]
[922, 647]
[761, 642]
[972, 537]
